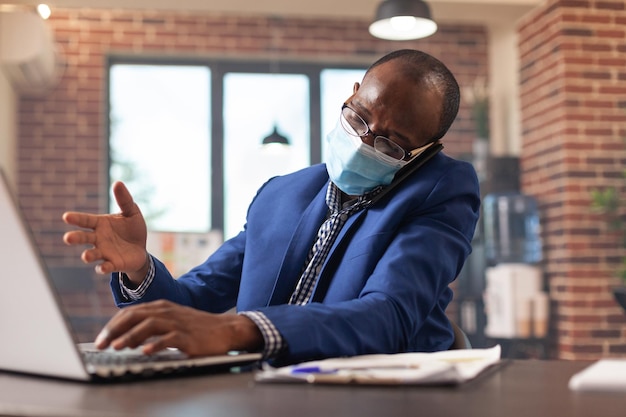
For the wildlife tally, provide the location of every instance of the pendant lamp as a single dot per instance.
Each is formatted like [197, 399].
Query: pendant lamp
[275, 137]
[401, 20]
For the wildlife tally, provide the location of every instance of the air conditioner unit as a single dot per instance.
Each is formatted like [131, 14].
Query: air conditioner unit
[28, 55]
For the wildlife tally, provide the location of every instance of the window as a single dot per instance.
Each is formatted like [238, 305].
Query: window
[186, 137]
[255, 105]
[160, 145]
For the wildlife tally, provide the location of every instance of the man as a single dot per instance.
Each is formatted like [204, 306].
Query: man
[349, 257]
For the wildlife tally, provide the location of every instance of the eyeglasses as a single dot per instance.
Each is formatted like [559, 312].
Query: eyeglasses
[354, 125]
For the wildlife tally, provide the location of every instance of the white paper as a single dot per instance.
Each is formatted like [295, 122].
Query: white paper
[445, 367]
[603, 375]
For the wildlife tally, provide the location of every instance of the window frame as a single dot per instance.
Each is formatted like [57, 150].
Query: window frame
[219, 67]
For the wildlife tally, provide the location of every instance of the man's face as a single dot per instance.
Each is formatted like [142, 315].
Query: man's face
[393, 106]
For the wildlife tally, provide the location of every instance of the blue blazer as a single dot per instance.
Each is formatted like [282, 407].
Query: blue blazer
[382, 289]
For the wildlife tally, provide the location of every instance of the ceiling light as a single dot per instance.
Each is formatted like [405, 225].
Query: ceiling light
[44, 11]
[275, 138]
[401, 20]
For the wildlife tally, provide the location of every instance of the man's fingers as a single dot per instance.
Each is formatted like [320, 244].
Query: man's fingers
[105, 268]
[79, 237]
[84, 220]
[90, 255]
[124, 199]
[119, 324]
[103, 339]
[71, 217]
[147, 318]
[156, 325]
[158, 343]
[147, 328]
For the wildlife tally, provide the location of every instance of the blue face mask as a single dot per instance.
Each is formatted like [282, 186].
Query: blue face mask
[355, 167]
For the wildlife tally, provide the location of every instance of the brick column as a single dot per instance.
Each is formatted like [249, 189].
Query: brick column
[573, 104]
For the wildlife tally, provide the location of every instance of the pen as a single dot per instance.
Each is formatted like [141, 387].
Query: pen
[312, 370]
[354, 366]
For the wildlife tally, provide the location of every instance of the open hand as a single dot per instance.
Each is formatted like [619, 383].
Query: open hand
[118, 241]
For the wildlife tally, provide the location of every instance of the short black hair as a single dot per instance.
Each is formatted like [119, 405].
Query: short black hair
[421, 67]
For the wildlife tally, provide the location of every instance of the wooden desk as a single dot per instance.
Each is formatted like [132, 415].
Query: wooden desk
[521, 388]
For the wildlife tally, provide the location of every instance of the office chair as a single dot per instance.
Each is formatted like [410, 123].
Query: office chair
[461, 340]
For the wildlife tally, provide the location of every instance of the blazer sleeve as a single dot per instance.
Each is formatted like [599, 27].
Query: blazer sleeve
[211, 286]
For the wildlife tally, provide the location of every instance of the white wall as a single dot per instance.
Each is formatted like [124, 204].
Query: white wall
[8, 129]
[504, 109]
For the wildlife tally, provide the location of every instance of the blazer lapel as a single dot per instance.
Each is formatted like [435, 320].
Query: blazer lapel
[301, 242]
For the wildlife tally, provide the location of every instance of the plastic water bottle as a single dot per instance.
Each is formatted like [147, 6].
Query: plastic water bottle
[512, 229]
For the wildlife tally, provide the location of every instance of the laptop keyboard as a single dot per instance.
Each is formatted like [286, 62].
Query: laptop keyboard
[111, 363]
[127, 362]
[129, 357]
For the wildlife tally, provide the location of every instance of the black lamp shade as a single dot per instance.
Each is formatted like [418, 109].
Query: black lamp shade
[403, 20]
[275, 137]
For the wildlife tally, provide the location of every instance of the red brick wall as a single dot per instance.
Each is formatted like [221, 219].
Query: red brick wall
[573, 97]
[62, 147]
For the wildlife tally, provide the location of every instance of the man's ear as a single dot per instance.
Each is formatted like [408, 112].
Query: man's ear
[355, 88]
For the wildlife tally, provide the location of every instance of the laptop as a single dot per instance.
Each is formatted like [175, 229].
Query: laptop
[36, 336]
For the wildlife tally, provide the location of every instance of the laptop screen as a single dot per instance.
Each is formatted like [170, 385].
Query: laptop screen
[36, 337]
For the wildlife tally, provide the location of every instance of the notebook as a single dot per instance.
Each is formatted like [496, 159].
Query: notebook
[36, 335]
[602, 375]
[448, 367]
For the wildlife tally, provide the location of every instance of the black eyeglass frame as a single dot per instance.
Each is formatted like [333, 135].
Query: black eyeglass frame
[385, 145]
